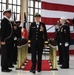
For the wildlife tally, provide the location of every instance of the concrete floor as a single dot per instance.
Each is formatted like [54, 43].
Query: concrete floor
[60, 71]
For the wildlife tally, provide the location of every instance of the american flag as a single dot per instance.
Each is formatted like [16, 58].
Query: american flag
[53, 10]
[24, 29]
[25, 20]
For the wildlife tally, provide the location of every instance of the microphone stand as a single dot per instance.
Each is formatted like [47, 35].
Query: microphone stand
[51, 39]
[50, 27]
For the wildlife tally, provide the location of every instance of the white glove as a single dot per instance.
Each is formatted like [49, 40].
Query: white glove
[66, 44]
[15, 38]
[60, 43]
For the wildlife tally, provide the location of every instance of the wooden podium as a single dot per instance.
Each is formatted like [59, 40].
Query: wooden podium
[52, 55]
[52, 41]
[22, 52]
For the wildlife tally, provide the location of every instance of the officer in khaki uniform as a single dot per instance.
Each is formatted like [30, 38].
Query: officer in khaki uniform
[37, 40]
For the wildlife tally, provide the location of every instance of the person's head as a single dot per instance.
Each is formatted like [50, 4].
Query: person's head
[18, 23]
[63, 20]
[7, 13]
[58, 23]
[37, 17]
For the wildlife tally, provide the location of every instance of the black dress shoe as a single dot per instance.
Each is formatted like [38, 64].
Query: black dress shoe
[15, 63]
[7, 70]
[59, 63]
[32, 71]
[39, 71]
[11, 66]
[64, 67]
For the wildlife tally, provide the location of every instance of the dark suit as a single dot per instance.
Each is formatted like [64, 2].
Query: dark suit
[6, 36]
[65, 40]
[17, 35]
[37, 39]
[58, 39]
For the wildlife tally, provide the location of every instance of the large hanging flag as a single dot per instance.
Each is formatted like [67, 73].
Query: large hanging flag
[24, 31]
[53, 10]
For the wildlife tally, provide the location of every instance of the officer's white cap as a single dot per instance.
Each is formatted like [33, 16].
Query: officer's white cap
[7, 10]
[63, 18]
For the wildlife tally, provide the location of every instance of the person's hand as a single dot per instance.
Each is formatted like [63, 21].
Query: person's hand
[29, 45]
[3, 43]
[15, 27]
[45, 46]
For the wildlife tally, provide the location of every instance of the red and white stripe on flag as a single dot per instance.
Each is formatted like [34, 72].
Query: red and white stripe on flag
[53, 10]
[24, 33]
